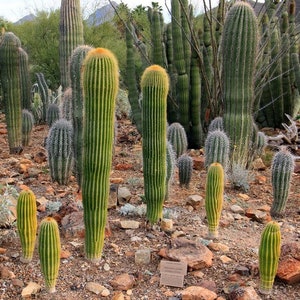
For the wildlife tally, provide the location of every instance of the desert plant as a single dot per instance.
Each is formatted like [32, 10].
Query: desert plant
[27, 126]
[52, 114]
[214, 193]
[185, 169]
[171, 163]
[66, 106]
[100, 81]
[269, 253]
[27, 223]
[49, 251]
[155, 87]
[44, 94]
[24, 80]
[281, 172]
[240, 177]
[177, 137]
[216, 123]
[60, 151]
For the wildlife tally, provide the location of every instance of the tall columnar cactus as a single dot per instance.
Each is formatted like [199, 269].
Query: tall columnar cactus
[238, 48]
[171, 163]
[217, 148]
[24, 80]
[49, 251]
[177, 137]
[76, 60]
[52, 114]
[10, 82]
[100, 80]
[27, 223]
[71, 35]
[185, 170]
[269, 253]
[214, 192]
[155, 87]
[66, 105]
[60, 151]
[27, 126]
[282, 169]
[44, 93]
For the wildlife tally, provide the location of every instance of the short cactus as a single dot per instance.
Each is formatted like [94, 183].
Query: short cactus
[269, 253]
[171, 163]
[214, 193]
[60, 151]
[216, 123]
[27, 126]
[185, 169]
[282, 169]
[66, 107]
[27, 223]
[52, 114]
[217, 148]
[49, 251]
[178, 138]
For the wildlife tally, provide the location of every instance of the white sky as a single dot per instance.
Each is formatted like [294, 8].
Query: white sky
[13, 10]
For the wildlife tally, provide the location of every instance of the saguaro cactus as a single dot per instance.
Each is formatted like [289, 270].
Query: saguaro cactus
[10, 82]
[49, 251]
[155, 87]
[269, 253]
[27, 125]
[282, 169]
[100, 80]
[214, 193]
[27, 223]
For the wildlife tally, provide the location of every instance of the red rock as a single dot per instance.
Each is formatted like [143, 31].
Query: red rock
[289, 270]
[123, 167]
[40, 157]
[2, 250]
[65, 254]
[117, 180]
[198, 293]
[123, 282]
[244, 293]
[198, 163]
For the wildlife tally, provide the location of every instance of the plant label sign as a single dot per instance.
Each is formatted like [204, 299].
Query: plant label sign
[172, 273]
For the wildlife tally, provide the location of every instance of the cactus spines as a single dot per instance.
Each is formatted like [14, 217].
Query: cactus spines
[269, 253]
[171, 163]
[217, 148]
[216, 123]
[66, 106]
[178, 138]
[49, 251]
[100, 81]
[52, 114]
[155, 87]
[44, 93]
[185, 169]
[60, 151]
[27, 223]
[24, 80]
[27, 126]
[281, 173]
[214, 193]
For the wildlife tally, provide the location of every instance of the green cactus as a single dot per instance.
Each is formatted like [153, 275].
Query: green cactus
[44, 94]
[27, 223]
[239, 50]
[60, 151]
[76, 61]
[100, 81]
[49, 251]
[171, 163]
[71, 36]
[217, 148]
[185, 170]
[177, 137]
[66, 106]
[269, 253]
[155, 87]
[27, 126]
[214, 193]
[216, 123]
[24, 80]
[52, 114]
[10, 82]
[281, 170]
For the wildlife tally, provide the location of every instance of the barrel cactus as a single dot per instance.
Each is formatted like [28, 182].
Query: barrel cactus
[185, 169]
[178, 138]
[52, 114]
[27, 126]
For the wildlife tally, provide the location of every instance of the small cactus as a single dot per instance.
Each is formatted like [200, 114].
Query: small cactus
[214, 197]
[52, 114]
[60, 151]
[27, 126]
[178, 138]
[185, 169]
[216, 123]
[66, 106]
[282, 169]
[171, 163]
[49, 251]
[27, 223]
[269, 253]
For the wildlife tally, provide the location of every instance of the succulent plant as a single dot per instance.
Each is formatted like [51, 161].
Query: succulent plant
[52, 114]
[216, 123]
[27, 126]
[185, 169]
[171, 163]
[66, 106]
[177, 137]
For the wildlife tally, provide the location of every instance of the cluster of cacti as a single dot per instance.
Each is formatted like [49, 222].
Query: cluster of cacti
[76, 61]
[214, 193]
[49, 251]
[100, 81]
[269, 253]
[60, 151]
[66, 105]
[27, 223]
[217, 148]
[155, 87]
[71, 36]
[281, 171]
[185, 170]
[53, 114]
[10, 83]
[177, 137]
[27, 126]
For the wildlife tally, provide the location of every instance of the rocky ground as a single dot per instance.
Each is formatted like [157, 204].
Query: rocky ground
[226, 268]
